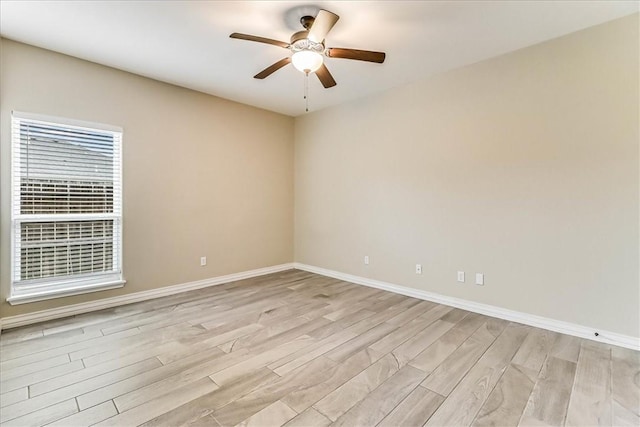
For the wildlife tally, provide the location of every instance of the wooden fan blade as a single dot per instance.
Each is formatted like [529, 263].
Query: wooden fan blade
[258, 39]
[360, 55]
[272, 68]
[325, 77]
[321, 26]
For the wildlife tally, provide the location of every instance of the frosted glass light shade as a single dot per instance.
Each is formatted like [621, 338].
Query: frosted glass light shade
[306, 61]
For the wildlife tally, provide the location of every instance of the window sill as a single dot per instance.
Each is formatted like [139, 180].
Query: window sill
[28, 297]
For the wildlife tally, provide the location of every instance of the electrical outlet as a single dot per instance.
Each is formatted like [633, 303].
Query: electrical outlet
[203, 261]
[418, 269]
[366, 260]
[461, 276]
[479, 279]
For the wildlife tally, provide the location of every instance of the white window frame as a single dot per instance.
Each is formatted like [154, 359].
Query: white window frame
[82, 283]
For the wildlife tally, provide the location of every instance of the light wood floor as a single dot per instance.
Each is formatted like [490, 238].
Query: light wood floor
[298, 349]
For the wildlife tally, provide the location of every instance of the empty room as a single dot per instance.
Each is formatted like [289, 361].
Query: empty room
[295, 213]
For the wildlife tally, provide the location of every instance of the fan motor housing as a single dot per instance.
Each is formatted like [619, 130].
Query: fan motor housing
[300, 41]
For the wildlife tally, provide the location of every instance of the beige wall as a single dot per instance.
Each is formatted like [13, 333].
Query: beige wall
[523, 167]
[202, 176]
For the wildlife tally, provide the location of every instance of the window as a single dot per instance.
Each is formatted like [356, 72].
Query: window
[66, 207]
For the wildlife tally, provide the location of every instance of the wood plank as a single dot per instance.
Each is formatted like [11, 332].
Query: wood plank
[353, 391]
[549, 399]
[88, 417]
[534, 350]
[14, 396]
[383, 316]
[206, 421]
[39, 376]
[260, 360]
[507, 401]
[455, 315]
[417, 309]
[205, 405]
[185, 347]
[414, 410]
[305, 396]
[92, 319]
[353, 346]
[139, 380]
[227, 347]
[48, 385]
[152, 320]
[625, 386]
[19, 335]
[381, 401]
[11, 371]
[180, 379]
[256, 303]
[259, 399]
[414, 346]
[309, 418]
[160, 350]
[296, 308]
[273, 415]
[353, 318]
[97, 344]
[299, 358]
[209, 343]
[262, 334]
[39, 402]
[444, 378]
[350, 309]
[47, 415]
[431, 357]
[15, 351]
[394, 339]
[590, 402]
[161, 405]
[566, 348]
[154, 340]
[289, 335]
[465, 401]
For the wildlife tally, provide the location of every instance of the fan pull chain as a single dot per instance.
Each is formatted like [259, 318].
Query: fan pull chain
[306, 91]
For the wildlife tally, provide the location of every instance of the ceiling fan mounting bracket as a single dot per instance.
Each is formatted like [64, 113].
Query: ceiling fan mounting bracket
[307, 21]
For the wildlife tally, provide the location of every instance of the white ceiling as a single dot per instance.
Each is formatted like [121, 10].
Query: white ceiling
[187, 42]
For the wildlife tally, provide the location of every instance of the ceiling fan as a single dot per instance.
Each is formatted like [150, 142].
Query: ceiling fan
[307, 47]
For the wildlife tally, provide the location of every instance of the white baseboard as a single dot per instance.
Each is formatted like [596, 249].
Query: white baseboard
[85, 307]
[489, 310]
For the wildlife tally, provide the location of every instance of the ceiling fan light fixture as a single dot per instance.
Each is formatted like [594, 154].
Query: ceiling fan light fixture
[307, 61]
[308, 49]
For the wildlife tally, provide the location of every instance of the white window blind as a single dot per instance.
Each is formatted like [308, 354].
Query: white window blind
[66, 207]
